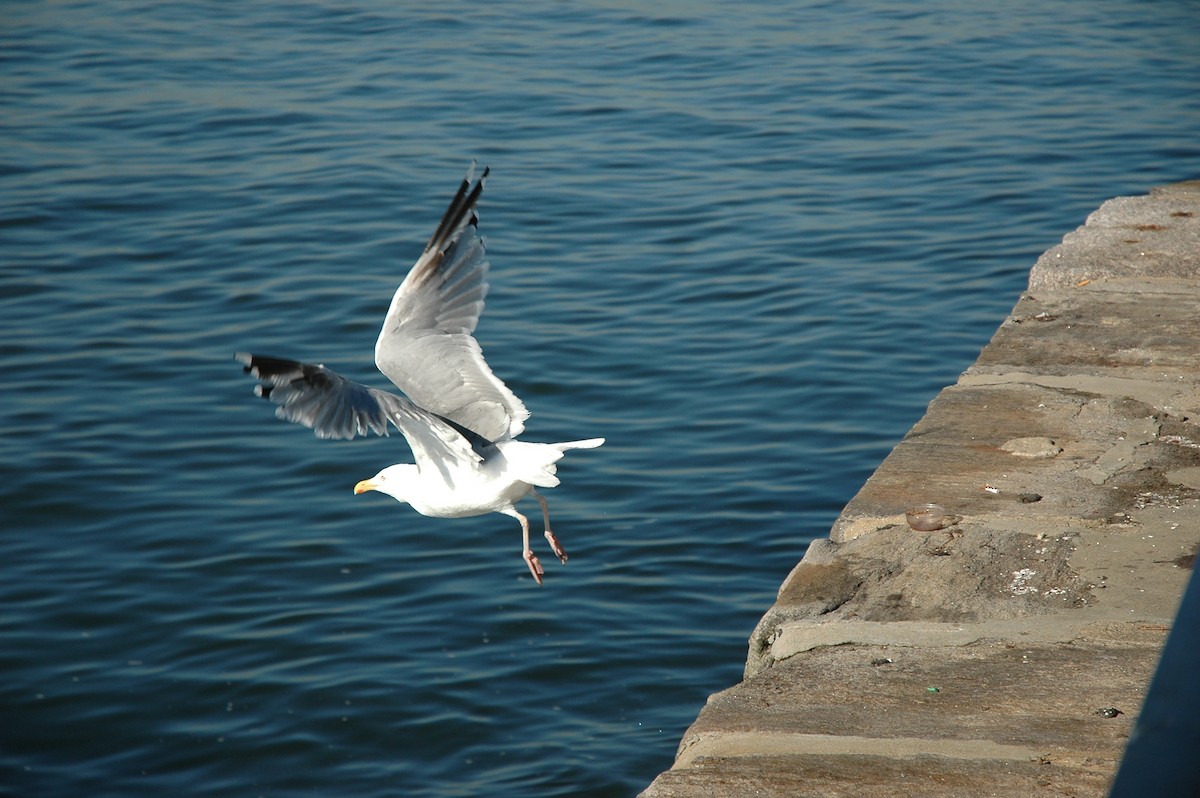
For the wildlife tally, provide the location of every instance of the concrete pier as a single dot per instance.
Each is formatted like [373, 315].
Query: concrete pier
[1007, 653]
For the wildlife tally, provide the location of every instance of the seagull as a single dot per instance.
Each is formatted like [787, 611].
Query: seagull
[459, 419]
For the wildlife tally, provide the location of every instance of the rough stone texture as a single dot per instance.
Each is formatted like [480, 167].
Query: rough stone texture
[1139, 241]
[973, 660]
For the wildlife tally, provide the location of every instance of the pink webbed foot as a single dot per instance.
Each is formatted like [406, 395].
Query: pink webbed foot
[559, 551]
[535, 567]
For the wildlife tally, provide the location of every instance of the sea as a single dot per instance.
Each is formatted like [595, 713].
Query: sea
[747, 243]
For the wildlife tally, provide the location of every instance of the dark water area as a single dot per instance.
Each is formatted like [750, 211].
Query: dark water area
[747, 243]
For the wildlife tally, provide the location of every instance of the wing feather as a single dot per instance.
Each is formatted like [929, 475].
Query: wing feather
[426, 345]
[335, 407]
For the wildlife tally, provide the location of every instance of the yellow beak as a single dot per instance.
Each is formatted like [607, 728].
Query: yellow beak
[365, 485]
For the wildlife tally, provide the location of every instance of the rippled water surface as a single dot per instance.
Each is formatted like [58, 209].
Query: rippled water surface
[747, 243]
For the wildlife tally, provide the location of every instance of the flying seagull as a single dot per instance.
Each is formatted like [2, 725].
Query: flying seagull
[460, 420]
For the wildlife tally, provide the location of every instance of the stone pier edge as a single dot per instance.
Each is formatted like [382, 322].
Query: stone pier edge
[1007, 653]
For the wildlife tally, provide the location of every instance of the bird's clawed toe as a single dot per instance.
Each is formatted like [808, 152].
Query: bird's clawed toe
[559, 551]
[535, 567]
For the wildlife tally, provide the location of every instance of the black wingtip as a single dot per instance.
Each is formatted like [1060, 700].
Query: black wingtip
[461, 210]
[470, 178]
[249, 366]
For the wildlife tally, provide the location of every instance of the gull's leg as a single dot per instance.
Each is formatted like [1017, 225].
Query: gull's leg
[531, 560]
[559, 551]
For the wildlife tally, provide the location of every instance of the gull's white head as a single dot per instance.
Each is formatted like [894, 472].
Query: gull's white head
[396, 481]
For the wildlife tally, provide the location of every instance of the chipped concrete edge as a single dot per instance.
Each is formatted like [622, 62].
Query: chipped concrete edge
[1181, 398]
[797, 637]
[764, 744]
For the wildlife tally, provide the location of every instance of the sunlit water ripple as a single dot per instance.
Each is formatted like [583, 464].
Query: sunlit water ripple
[747, 245]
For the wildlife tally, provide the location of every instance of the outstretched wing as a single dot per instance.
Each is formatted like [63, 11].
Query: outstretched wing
[335, 407]
[426, 346]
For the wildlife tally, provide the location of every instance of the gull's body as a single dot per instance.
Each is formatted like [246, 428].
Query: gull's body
[459, 419]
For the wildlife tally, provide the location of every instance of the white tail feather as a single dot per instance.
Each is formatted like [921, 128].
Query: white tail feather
[590, 443]
[535, 462]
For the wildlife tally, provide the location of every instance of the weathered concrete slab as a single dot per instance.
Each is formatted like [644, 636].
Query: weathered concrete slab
[1017, 716]
[861, 776]
[1136, 244]
[972, 660]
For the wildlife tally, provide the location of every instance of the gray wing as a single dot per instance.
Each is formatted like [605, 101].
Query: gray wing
[426, 345]
[335, 407]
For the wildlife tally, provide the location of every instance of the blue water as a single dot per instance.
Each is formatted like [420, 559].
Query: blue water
[745, 242]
